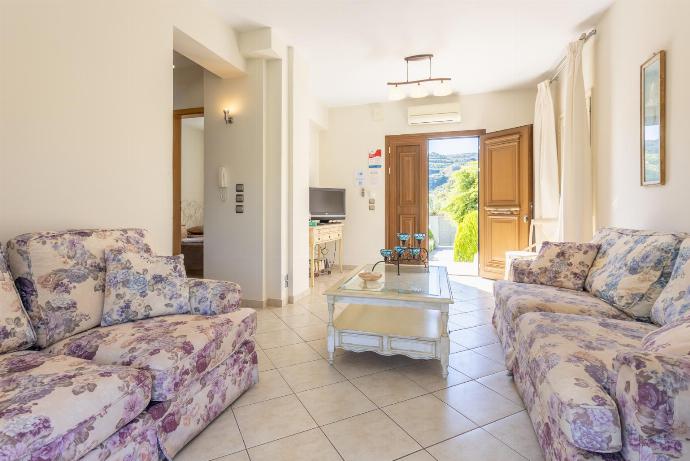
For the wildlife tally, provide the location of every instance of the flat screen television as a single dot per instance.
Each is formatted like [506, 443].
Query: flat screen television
[326, 204]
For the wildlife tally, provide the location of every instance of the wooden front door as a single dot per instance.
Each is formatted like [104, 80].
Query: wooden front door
[505, 197]
[407, 198]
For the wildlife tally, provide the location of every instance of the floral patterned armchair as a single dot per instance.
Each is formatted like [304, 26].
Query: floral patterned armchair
[183, 369]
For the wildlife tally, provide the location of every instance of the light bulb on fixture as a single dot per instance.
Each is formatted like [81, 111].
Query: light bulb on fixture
[419, 91]
[442, 89]
[395, 93]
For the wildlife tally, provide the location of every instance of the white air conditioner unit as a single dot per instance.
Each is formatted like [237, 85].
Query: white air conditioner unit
[434, 114]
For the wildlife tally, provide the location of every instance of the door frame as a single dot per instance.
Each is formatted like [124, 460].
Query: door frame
[178, 115]
[417, 138]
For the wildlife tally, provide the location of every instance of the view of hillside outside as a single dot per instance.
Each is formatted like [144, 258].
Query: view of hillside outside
[453, 203]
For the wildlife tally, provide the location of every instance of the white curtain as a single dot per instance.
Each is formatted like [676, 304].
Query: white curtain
[576, 219]
[546, 185]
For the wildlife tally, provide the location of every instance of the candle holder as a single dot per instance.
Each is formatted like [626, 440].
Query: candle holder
[404, 253]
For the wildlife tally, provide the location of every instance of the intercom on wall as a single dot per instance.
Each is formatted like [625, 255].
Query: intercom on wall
[223, 183]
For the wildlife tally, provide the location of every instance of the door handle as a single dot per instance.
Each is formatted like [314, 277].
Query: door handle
[525, 218]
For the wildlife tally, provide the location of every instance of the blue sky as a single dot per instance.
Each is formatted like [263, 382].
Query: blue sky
[454, 145]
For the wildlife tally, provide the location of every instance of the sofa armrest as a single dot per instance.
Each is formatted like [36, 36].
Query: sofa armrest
[521, 272]
[212, 297]
[653, 396]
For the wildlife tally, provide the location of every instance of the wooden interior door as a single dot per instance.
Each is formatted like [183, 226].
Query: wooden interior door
[407, 177]
[505, 197]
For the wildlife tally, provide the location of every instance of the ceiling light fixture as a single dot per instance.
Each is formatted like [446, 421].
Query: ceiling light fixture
[419, 90]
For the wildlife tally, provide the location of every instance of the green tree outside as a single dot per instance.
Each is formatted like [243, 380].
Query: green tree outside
[459, 201]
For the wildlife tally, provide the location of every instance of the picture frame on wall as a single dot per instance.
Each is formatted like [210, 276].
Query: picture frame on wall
[653, 120]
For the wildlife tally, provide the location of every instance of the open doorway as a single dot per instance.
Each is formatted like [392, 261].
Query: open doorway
[453, 203]
[418, 166]
[188, 164]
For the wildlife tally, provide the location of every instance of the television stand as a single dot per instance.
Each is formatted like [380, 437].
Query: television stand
[319, 235]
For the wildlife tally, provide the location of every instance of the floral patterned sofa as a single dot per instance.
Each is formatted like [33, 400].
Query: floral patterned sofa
[133, 391]
[605, 372]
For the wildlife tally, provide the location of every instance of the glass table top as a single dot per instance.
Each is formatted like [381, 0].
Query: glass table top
[413, 280]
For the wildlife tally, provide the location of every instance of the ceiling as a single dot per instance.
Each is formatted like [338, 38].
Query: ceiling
[355, 46]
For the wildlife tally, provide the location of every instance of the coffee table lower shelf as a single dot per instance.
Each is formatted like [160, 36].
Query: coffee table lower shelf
[389, 330]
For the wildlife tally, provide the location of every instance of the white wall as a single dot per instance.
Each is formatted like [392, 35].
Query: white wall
[314, 153]
[234, 243]
[298, 195]
[85, 111]
[188, 87]
[276, 180]
[353, 132]
[627, 36]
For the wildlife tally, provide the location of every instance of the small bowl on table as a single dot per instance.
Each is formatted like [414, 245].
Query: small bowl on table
[369, 277]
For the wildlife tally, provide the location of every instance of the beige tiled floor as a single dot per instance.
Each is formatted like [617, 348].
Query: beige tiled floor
[369, 407]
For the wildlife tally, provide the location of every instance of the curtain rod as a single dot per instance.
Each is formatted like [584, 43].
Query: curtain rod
[559, 68]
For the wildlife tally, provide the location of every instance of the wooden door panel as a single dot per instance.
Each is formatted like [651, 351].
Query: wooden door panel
[408, 177]
[501, 236]
[503, 157]
[408, 224]
[505, 197]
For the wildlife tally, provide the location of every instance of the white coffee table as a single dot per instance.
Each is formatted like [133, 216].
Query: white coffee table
[403, 314]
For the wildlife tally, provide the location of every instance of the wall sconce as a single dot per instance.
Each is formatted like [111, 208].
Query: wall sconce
[227, 116]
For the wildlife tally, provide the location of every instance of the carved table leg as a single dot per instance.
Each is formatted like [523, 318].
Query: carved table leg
[331, 331]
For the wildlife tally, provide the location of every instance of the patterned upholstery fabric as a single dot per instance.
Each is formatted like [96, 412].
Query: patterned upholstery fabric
[551, 440]
[652, 392]
[189, 411]
[631, 268]
[4, 269]
[59, 408]
[568, 359]
[671, 339]
[175, 349]
[564, 264]
[139, 286]
[15, 329]
[674, 300]
[210, 297]
[514, 299]
[520, 271]
[60, 277]
[135, 442]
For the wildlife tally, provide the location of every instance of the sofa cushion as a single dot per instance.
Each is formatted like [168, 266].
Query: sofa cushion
[175, 349]
[60, 277]
[569, 361]
[674, 300]
[564, 264]
[139, 286]
[632, 267]
[210, 297]
[15, 329]
[59, 407]
[671, 339]
[134, 442]
[514, 299]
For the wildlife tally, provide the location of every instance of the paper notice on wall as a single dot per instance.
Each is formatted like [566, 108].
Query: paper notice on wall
[373, 179]
[375, 159]
[375, 167]
[359, 178]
